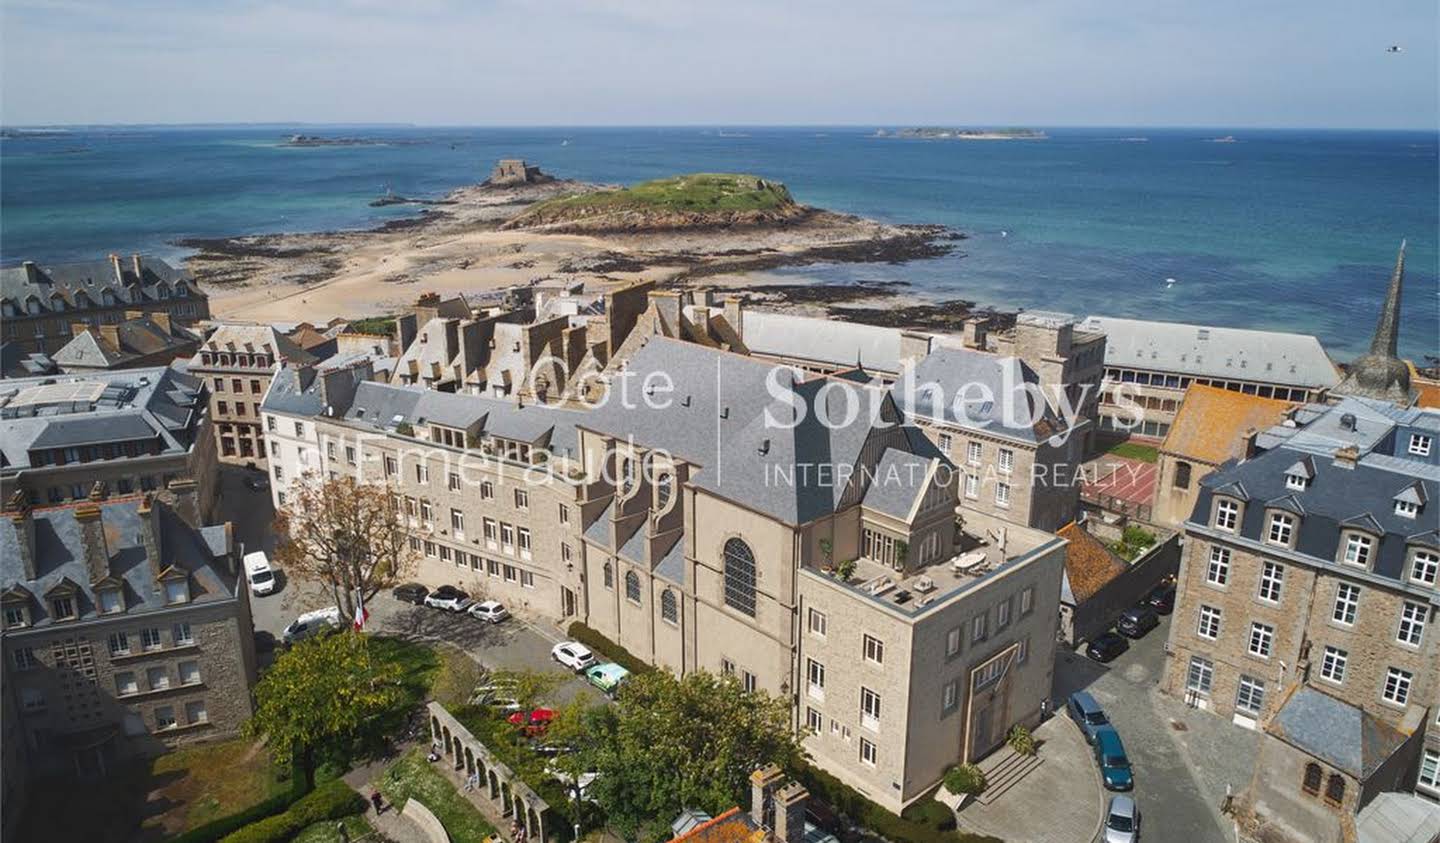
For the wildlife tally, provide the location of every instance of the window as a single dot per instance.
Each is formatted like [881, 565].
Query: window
[1313, 778]
[1002, 614]
[1227, 515]
[1218, 572]
[874, 650]
[1282, 528]
[869, 709]
[1209, 626]
[110, 602]
[1022, 651]
[189, 673]
[522, 499]
[427, 513]
[32, 699]
[727, 667]
[158, 678]
[950, 696]
[511, 573]
[350, 454]
[669, 609]
[867, 752]
[391, 467]
[1357, 549]
[177, 591]
[15, 616]
[632, 587]
[150, 638]
[1200, 676]
[1335, 789]
[739, 577]
[952, 642]
[180, 634]
[817, 623]
[1002, 494]
[1347, 601]
[1430, 770]
[748, 681]
[609, 576]
[523, 541]
[564, 514]
[1407, 509]
[1272, 577]
[457, 523]
[507, 537]
[125, 684]
[815, 674]
[195, 712]
[487, 490]
[165, 717]
[299, 426]
[1182, 475]
[972, 486]
[527, 579]
[1296, 482]
[1425, 567]
[813, 720]
[564, 553]
[492, 531]
[63, 608]
[24, 658]
[973, 453]
[1027, 601]
[452, 482]
[1412, 623]
[1420, 444]
[1007, 461]
[1262, 639]
[977, 629]
[492, 567]
[1251, 695]
[1397, 686]
[1332, 665]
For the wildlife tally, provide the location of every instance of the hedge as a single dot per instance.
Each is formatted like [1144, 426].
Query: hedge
[330, 801]
[921, 823]
[216, 829]
[607, 648]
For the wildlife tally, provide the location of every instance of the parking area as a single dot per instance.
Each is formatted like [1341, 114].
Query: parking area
[1183, 759]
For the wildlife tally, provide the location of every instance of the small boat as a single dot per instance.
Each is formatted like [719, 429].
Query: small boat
[1169, 282]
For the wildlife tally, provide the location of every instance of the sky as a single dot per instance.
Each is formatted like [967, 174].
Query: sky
[1286, 63]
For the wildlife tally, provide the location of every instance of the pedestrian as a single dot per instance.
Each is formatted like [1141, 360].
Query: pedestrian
[377, 801]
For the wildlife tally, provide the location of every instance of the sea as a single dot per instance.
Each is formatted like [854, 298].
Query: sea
[1282, 230]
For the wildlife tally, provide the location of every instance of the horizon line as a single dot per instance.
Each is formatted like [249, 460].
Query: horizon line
[695, 125]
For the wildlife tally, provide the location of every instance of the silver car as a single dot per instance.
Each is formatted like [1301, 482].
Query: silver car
[1122, 820]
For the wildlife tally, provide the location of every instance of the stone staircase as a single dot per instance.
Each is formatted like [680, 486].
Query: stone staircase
[1003, 769]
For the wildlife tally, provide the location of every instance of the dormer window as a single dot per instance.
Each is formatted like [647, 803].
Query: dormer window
[1407, 509]
[1358, 548]
[1420, 444]
[17, 615]
[1227, 515]
[1282, 529]
[1296, 482]
[177, 591]
[63, 608]
[111, 602]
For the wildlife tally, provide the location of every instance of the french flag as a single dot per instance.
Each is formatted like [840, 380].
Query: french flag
[362, 614]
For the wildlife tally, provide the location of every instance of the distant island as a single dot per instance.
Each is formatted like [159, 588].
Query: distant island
[939, 133]
[693, 201]
[315, 140]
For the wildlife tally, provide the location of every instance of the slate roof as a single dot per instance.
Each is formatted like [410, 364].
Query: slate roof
[827, 341]
[308, 390]
[138, 338]
[93, 279]
[1089, 564]
[384, 406]
[1343, 736]
[899, 482]
[1211, 424]
[1215, 352]
[255, 338]
[972, 390]
[59, 553]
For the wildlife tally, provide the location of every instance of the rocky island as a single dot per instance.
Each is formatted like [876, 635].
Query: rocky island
[937, 133]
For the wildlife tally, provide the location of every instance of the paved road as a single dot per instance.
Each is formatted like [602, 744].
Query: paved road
[1183, 759]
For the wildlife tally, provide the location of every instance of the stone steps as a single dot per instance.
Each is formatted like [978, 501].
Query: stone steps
[1003, 770]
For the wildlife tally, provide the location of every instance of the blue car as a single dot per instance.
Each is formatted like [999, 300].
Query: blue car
[1110, 755]
[1086, 713]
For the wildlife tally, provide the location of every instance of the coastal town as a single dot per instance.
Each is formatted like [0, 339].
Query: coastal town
[546, 515]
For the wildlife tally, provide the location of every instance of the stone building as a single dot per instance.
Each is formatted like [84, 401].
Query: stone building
[237, 362]
[510, 171]
[141, 340]
[39, 305]
[126, 630]
[1069, 361]
[137, 430]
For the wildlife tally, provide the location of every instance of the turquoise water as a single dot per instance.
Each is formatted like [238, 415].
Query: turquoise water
[1292, 230]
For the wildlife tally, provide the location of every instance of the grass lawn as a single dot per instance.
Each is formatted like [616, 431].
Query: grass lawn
[355, 828]
[414, 777]
[1135, 451]
[689, 193]
[207, 782]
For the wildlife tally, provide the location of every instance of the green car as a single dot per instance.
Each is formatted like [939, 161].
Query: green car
[607, 677]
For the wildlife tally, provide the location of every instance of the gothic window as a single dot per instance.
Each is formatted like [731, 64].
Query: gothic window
[669, 612]
[1335, 789]
[609, 576]
[632, 587]
[1313, 775]
[739, 577]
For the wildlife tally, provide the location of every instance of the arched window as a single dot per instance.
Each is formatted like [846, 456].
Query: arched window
[1182, 475]
[669, 612]
[610, 582]
[1335, 789]
[1313, 776]
[739, 577]
[632, 587]
[664, 487]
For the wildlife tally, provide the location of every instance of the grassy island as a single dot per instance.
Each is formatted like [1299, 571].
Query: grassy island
[688, 201]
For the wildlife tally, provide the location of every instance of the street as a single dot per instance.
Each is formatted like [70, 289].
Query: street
[1182, 758]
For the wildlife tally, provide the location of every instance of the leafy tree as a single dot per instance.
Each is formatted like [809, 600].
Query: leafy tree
[670, 744]
[324, 695]
[528, 687]
[347, 534]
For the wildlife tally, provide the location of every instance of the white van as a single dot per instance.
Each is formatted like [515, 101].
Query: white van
[311, 624]
[259, 573]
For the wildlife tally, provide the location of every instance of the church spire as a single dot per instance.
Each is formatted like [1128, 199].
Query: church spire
[1387, 330]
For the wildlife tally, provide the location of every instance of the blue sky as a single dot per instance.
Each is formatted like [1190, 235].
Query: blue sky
[649, 62]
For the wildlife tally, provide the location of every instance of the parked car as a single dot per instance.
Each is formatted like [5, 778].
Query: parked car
[607, 677]
[533, 722]
[259, 573]
[1162, 599]
[1106, 647]
[257, 481]
[490, 611]
[1122, 820]
[573, 655]
[311, 624]
[411, 592]
[1086, 713]
[1134, 623]
[449, 598]
[1114, 764]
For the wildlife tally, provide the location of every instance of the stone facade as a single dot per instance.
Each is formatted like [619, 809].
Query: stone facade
[238, 362]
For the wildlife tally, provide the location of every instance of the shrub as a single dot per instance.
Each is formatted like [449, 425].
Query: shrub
[920, 824]
[846, 570]
[1021, 740]
[330, 801]
[607, 648]
[965, 778]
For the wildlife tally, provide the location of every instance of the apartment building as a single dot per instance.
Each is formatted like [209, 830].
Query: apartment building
[140, 341]
[126, 630]
[39, 305]
[135, 430]
[237, 362]
[1307, 606]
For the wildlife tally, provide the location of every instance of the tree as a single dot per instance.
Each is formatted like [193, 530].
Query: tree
[348, 534]
[527, 687]
[670, 744]
[325, 694]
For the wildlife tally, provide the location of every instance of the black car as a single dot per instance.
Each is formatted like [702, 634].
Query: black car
[1136, 622]
[411, 592]
[1106, 647]
[1162, 599]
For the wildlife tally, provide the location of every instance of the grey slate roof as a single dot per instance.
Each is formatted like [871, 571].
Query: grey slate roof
[307, 391]
[383, 406]
[672, 567]
[1214, 352]
[1336, 732]
[949, 383]
[242, 338]
[92, 278]
[899, 482]
[60, 555]
[826, 341]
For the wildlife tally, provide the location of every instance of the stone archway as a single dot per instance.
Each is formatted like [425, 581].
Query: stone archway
[434, 730]
[506, 798]
[494, 785]
[459, 753]
[469, 762]
[532, 822]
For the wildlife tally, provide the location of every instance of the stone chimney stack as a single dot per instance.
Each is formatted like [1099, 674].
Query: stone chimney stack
[1248, 438]
[116, 270]
[735, 315]
[137, 266]
[24, 521]
[763, 784]
[78, 328]
[975, 331]
[149, 511]
[162, 318]
[667, 303]
[913, 346]
[32, 272]
[790, 803]
[92, 537]
[1347, 456]
[187, 500]
[702, 319]
[111, 334]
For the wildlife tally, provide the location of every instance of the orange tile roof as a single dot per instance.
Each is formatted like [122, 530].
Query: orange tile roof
[733, 826]
[1427, 392]
[1088, 562]
[1211, 424]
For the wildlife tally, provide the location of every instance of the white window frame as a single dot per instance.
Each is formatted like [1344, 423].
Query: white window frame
[1411, 630]
[1358, 549]
[1425, 567]
[1420, 445]
[1429, 777]
[1207, 625]
[815, 679]
[1200, 676]
[974, 453]
[1333, 663]
[1281, 529]
[817, 623]
[869, 709]
[1261, 643]
[873, 649]
[1217, 572]
[1227, 515]
[1250, 695]
[1397, 687]
[1347, 604]
[1272, 581]
[868, 752]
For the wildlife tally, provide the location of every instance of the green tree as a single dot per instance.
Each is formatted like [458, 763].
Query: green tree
[325, 695]
[528, 687]
[670, 744]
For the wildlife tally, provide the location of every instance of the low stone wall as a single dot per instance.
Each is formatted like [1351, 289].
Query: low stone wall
[474, 764]
[1096, 615]
[425, 819]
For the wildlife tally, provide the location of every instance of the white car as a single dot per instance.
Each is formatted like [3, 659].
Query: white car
[449, 598]
[573, 655]
[259, 573]
[489, 610]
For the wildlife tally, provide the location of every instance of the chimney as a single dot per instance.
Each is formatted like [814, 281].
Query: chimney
[134, 314]
[790, 804]
[187, 500]
[136, 265]
[111, 334]
[913, 345]
[92, 538]
[149, 512]
[1346, 457]
[1247, 439]
[162, 319]
[973, 336]
[24, 521]
[667, 304]
[763, 784]
[32, 272]
[78, 328]
[735, 315]
[115, 268]
[701, 320]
